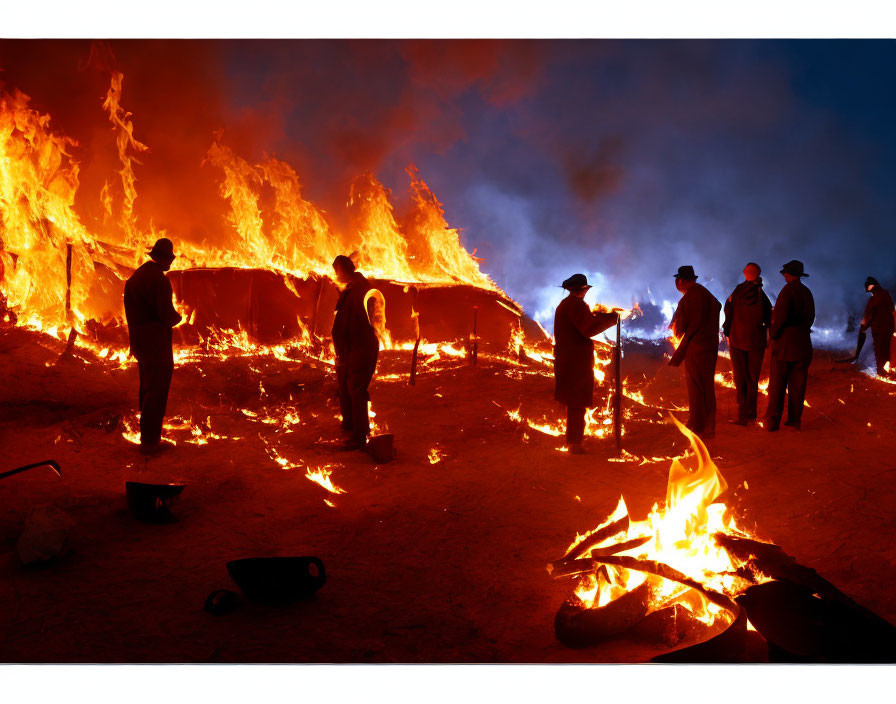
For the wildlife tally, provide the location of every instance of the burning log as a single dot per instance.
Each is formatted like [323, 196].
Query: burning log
[596, 538]
[577, 627]
[666, 572]
[669, 626]
[569, 567]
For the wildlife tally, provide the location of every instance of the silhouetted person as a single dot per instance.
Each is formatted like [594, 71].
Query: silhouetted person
[574, 326]
[696, 324]
[748, 313]
[150, 315]
[791, 340]
[880, 316]
[357, 349]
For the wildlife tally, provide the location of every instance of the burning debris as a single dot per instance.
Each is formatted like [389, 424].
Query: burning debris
[254, 351]
[689, 573]
[669, 561]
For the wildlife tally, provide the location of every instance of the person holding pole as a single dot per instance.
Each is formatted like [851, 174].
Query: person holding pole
[574, 326]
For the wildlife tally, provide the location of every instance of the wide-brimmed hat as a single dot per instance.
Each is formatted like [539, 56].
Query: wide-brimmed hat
[686, 273]
[343, 262]
[794, 268]
[576, 282]
[871, 281]
[162, 250]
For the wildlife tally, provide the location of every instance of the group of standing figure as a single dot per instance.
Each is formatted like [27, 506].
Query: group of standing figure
[150, 313]
[751, 324]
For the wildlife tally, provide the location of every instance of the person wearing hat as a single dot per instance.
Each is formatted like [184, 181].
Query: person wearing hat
[748, 313]
[574, 326]
[357, 348]
[880, 316]
[790, 333]
[150, 315]
[696, 324]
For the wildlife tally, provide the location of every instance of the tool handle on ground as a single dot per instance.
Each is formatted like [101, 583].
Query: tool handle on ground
[53, 464]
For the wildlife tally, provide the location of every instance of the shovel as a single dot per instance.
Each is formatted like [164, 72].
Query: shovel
[53, 464]
[859, 345]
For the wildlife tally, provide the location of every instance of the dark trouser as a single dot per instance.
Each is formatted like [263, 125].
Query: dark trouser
[575, 425]
[790, 378]
[882, 350]
[156, 369]
[747, 365]
[352, 382]
[699, 375]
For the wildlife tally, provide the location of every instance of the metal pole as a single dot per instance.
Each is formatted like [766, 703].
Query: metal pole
[617, 401]
[68, 279]
[416, 316]
[73, 332]
[320, 290]
[475, 335]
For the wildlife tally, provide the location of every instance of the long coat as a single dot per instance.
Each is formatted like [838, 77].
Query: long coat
[354, 339]
[574, 326]
[696, 322]
[792, 320]
[149, 310]
[879, 314]
[748, 313]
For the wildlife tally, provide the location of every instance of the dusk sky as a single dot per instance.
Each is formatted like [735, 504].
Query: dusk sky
[619, 159]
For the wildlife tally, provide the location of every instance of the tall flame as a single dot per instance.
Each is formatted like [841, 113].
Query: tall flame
[49, 260]
[678, 535]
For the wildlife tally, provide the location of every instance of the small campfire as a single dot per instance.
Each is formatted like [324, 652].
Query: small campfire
[689, 575]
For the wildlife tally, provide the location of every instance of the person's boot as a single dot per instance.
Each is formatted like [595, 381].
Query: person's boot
[151, 449]
[741, 420]
[353, 444]
[795, 424]
[577, 449]
[772, 424]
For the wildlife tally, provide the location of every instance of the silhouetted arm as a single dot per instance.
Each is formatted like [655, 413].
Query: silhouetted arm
[686, 324]
[729, 315]
[780, 314]
[164, 303]
[590, 324]
[869, 314]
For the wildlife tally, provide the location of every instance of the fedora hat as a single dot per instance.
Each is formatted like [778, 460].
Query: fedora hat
[576, 282]
[686, 273]
[795, 268]
[162, 250]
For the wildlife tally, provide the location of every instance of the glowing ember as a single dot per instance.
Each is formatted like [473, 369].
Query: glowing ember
[321, 476]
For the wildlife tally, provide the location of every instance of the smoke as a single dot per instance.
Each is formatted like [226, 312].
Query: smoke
[622, 160]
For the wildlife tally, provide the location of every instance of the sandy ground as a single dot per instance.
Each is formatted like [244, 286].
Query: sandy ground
[426, 562]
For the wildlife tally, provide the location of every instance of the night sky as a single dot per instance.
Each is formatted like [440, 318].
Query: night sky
[619, 159]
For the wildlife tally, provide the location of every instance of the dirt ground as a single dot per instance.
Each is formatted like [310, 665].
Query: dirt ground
[426, 562]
